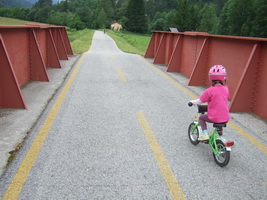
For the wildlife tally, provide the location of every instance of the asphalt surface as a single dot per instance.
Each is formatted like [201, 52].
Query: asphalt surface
[96, 148]
[17, 123]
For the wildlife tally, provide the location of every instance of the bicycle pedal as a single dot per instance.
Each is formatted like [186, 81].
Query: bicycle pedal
[204, 141]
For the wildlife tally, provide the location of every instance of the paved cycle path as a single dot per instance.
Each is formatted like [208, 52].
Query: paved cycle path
[120, 132]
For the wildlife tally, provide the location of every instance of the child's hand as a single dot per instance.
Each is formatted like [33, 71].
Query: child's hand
[196, 102]
[193, 102]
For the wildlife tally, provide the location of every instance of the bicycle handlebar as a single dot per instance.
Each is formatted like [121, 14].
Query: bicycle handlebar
[190, 104]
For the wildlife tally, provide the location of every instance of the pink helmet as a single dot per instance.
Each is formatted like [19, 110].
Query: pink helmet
[217, 72]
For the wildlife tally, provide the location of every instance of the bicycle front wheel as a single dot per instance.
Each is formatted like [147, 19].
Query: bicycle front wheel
[193, 134]
[223, 156]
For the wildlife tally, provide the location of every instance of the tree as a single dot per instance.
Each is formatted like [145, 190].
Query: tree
[65, 19]
[108, 8]
[57, 18]
[31, 14]
[219, 5]
[223, 27]
[120, 12]
[235, 17]
[85, 15]
[105, 9]
[259, 26]
[137, 20]
[158, 22]
[208, 19]
[194, 17]
[154, 6]
[5, 12]
[123, 21]
[73, 21]
[43, 4]
[162, 21]
[19, 13]
[62, 6]
[118, 3]
[183, 19]
[169, 20]
[42, 15]
[101, 19]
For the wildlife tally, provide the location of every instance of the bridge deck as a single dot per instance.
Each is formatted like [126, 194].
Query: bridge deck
[118, 130]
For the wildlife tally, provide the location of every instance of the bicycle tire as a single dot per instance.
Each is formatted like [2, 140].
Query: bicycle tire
[223, 158]
[193, 135]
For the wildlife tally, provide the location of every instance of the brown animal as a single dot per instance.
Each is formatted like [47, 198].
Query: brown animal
[116, 26]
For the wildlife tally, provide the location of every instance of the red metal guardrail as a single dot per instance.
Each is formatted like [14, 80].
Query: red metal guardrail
[193, 53]
[25, 53]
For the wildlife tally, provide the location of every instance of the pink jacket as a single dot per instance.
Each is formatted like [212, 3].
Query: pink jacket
[217, 98]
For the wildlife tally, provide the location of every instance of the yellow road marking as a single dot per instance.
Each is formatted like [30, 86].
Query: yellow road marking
[121, 74]
[231, 124]
[20, 177]
[248, 137]
[171, 80]
[169, 177]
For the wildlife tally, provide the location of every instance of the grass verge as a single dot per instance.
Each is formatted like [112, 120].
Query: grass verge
[130, 42]
[80, 40]
[11, 21]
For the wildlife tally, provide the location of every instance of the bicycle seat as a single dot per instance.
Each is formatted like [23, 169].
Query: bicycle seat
[219, 124]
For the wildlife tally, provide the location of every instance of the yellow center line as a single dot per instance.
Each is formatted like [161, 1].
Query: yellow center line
[121, 74]
[248, 137]
[170, 179]
[231, 124]
[171, 80]
[20, 177]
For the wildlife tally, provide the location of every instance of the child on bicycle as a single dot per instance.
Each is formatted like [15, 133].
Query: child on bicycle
[217, 97]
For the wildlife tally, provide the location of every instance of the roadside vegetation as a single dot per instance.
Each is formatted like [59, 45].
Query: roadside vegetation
[11, 21]
[221, 17]
[127, 42]
[80, 40]
[130, 42]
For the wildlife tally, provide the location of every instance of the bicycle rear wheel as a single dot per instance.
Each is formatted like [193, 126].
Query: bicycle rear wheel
[193, 134]
[223, 157]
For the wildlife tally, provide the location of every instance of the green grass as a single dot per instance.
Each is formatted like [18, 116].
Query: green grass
[80, 40]
[11, 21]
[130, 42]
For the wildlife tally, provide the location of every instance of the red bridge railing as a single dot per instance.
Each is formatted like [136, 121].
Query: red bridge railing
[193, 53]
[25, 53]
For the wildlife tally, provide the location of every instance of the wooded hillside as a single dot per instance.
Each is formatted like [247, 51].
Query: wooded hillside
[226, 17]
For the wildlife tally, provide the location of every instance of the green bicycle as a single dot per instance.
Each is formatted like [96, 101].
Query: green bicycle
[220, 146]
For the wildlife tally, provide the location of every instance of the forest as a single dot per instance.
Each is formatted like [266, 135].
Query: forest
[222, 17]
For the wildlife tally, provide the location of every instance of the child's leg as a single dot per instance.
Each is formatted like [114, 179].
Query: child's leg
[202, 120]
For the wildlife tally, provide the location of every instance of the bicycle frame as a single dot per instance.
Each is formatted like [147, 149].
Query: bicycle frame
[219, 145]
[212, 141]
[212, 138]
